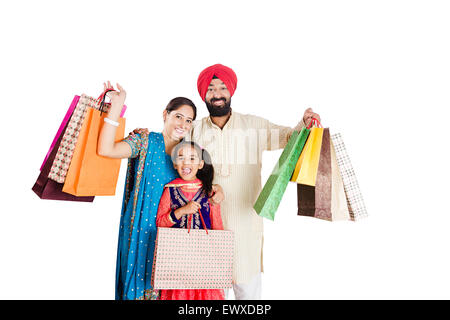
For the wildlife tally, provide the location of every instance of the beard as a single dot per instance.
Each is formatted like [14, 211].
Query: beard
[218, 111]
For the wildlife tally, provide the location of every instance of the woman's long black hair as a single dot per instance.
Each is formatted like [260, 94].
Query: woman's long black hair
[205, 174]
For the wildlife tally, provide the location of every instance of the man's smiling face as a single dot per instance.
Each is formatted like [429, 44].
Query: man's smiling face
[218, 98]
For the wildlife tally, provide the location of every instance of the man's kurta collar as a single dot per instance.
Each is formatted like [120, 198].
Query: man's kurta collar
[226, 126]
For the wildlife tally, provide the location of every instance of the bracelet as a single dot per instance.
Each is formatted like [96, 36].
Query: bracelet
[111, 122]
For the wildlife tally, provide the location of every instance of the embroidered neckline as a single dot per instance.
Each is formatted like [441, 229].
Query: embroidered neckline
[180, 183]
[194, 198]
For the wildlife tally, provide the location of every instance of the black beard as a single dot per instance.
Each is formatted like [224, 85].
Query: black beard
[218, 111]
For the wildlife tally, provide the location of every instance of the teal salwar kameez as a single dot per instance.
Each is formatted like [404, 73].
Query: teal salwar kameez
[149, 169]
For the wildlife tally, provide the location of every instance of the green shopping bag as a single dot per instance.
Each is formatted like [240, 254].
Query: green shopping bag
[270, 197]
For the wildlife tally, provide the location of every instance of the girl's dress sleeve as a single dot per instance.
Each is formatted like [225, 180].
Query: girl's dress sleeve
[216, 217]
[135, 142]
[163, 218]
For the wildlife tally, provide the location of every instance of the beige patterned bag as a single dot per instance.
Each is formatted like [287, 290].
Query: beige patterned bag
[339, 209]
[355, 202]
[193, 259]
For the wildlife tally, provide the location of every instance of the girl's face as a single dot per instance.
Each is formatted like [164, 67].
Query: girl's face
[188, 162]
[177, 123]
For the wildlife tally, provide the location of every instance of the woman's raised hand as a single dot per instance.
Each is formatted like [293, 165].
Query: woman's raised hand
[107, 146]
[117, 98]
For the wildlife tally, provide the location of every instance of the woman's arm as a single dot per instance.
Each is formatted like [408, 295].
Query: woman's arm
[217, 194]
[106, 146]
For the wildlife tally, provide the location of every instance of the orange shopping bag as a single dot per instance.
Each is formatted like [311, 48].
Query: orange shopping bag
[90, 174]
[305, 171]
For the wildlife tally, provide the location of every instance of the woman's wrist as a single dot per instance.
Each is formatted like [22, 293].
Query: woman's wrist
[114, 111]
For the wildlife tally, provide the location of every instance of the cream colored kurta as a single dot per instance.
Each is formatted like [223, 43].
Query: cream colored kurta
[236, 152]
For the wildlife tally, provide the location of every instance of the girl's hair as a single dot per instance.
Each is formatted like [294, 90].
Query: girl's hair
[177, 102]
[205, 174]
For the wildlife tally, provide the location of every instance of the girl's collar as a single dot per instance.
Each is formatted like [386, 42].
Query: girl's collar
[179, 182]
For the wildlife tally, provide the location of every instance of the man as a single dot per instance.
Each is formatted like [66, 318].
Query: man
[236, 142]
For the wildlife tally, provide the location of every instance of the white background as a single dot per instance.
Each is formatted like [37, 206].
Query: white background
[376, 71]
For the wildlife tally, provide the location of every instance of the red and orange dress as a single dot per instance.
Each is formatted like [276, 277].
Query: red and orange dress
[176, 194]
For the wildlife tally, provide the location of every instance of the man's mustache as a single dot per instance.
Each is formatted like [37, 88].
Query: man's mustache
[218, 99]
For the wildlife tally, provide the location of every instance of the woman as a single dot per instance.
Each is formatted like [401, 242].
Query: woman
[149, 169]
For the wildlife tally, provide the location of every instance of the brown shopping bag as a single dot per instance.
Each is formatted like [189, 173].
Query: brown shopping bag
[315, 201]
[327, 199]
[90, 174]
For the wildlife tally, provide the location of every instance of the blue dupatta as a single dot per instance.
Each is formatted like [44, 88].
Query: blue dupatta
[145, 180]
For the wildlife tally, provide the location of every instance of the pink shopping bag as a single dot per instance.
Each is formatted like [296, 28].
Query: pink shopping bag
[61, 127]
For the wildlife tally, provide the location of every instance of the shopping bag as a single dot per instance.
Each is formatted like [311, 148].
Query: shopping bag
[353, 194]
[193, 259]
[46, 188]
[270, 197]
[305, 171]
[315, 201]
[339, 208]
[64, 155]
[90, 174]
[62, 127]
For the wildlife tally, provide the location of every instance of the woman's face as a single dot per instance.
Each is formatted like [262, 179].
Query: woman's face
[187, 162]
[177, 123]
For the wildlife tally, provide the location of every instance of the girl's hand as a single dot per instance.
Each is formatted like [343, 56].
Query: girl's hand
[117, 98]
[217, 194]
[191, 208]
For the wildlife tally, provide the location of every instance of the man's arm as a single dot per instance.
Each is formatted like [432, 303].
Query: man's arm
[298, 128]
[278, 136]
[308, 116]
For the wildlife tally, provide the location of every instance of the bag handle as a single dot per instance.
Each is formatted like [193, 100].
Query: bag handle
[201, 218]
[316, 123]
[102, 98]
[102, 95]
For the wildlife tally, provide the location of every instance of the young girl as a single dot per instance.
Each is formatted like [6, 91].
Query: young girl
[180, 203]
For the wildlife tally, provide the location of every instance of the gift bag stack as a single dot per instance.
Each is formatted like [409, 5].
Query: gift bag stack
[72, 170]
[318, 164]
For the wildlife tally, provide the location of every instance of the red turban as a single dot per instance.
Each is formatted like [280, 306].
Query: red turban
[222, 72]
